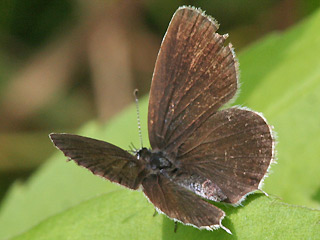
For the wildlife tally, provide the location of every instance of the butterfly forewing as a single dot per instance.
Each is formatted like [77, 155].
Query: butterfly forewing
[101, 158]
[233, 149]
[180, 204]
[195, 74]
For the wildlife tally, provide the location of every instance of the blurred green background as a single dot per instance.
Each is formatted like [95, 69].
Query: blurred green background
[66, 63]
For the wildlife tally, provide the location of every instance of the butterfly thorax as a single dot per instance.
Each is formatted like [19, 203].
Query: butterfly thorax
[155, 161]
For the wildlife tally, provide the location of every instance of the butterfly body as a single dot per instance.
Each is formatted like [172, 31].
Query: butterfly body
[198, 151]
[156, 162]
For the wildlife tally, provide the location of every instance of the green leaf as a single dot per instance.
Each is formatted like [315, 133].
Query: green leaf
[281, 78]
[128, 215]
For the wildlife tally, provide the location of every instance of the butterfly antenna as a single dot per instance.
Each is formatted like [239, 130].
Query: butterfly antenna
[135, 93]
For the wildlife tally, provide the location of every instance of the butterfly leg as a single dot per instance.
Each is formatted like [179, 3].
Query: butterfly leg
[175, 226]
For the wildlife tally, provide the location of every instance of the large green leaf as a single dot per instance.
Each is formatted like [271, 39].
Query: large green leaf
[281, 78]
[128, 215]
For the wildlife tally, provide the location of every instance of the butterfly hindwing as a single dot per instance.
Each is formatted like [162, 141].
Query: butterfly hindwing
[180, 204]
[232, 149]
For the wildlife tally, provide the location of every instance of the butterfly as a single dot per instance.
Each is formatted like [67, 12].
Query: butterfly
[198, 151]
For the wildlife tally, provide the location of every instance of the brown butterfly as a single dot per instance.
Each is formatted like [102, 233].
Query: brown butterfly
[197, 152]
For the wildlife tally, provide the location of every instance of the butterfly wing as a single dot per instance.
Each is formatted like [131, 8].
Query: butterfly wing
[101, 158]
[180, 204]
[231, 152]
[195, 74]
